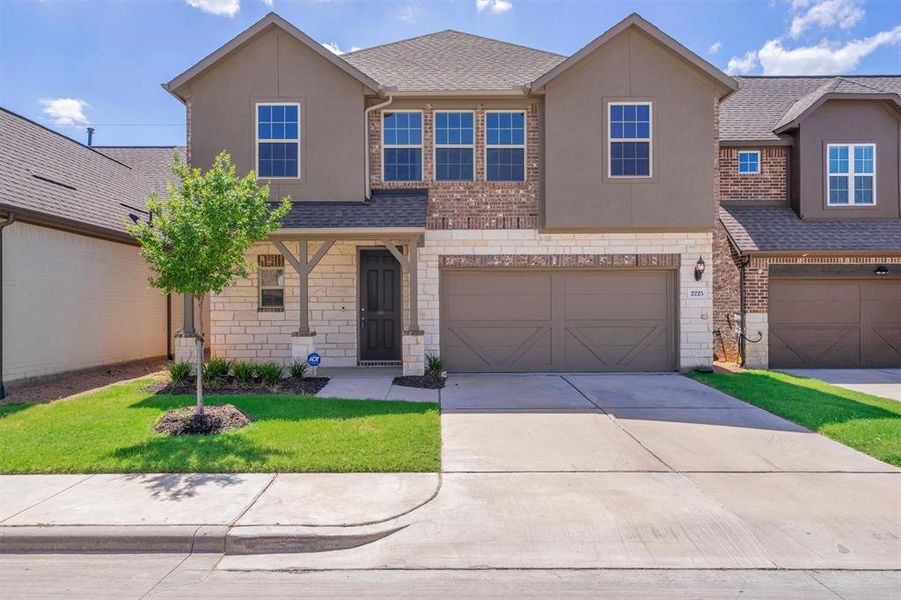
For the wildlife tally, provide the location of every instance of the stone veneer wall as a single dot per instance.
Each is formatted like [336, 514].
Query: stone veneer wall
[239, 331]
[695, 315]
[770, 184]
[475, 204]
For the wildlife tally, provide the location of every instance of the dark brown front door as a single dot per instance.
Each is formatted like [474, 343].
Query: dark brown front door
[379, 306]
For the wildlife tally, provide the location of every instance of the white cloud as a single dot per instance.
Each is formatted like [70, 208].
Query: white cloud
[66, 111]
[495, 6]
[333, 47]
[824, 58]
[267, 2]
[408, 13]
[228, 8]
[744, 65]
[826, 13]
[715, 47]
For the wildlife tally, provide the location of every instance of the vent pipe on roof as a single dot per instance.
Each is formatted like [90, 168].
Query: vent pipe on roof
[90, 136]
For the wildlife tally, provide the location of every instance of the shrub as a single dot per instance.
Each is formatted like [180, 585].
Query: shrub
[244, 372]
[215, 371]
[178, 372]
[270, 373]
[434, 366]
[298, 369]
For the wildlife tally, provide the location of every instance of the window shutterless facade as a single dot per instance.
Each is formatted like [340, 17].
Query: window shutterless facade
[454, 145]
[850, 174]
[271, 282]
[278, 140]
[402, 146]
[629, 135]
[505, 145]
[749, 162]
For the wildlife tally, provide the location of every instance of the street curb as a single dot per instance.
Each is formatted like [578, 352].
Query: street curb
[184, 539]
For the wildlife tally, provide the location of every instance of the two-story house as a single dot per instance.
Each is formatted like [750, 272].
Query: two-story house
[809, 242]
[507, 208]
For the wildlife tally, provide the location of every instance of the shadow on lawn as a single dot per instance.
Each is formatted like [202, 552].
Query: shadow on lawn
[214, 453]
[7, 410]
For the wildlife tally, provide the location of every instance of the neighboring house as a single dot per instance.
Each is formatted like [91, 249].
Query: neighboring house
[74, 289]
[809, 241]
[507, 208]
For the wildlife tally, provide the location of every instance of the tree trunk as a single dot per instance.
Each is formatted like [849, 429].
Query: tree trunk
[198, 339]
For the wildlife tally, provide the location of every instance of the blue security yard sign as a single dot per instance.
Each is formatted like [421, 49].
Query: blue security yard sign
[313, 359]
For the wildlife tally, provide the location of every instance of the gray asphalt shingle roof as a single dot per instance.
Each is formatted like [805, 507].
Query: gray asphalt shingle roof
[49, 174]
[386, 208]
[775, 227]
[763, 104]
[453, 61]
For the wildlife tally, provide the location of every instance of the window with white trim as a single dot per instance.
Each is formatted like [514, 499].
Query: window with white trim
[850, 174]
[454, 145]
[749, 162]
[505, 145]
[278, 140]
[402, 146]
[271, 276]
[629, 136]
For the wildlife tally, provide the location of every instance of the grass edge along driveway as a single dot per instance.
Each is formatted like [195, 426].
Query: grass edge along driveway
[864, 422]
[110, 430]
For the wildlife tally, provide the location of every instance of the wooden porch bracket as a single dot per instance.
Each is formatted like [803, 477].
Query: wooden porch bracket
[304, 265]
[411, 265]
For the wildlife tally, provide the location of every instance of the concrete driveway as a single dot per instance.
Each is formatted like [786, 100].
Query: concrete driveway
[878, 382]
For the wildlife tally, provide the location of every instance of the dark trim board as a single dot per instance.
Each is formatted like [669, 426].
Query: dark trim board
[835, 271]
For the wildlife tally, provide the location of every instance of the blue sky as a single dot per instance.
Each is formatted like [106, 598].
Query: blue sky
[70, 63]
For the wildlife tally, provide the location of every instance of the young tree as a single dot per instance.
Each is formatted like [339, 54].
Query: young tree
[195, 241]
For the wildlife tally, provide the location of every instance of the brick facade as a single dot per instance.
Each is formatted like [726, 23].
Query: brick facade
[770, 184]
[726, 300]
[476, 204]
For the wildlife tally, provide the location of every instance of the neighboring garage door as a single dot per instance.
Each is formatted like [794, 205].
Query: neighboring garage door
[565, 320]
[834, 323]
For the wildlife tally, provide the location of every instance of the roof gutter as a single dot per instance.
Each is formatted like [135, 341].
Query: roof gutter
[9, 221]
[366, 113]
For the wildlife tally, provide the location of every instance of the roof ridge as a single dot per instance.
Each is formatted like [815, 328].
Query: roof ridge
[876, 76]
[457, 31]
[860, 83]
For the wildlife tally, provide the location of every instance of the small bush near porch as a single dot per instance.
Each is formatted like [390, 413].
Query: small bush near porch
[111, 431]
[866, 423]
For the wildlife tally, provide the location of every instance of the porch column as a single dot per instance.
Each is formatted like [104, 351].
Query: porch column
[413, 342]
[188, 314]
[185, 342]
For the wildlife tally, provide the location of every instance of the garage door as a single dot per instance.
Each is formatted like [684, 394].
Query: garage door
[834, 323]
[557, 320]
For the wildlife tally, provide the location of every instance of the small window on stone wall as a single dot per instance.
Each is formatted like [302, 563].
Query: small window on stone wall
[271, 282]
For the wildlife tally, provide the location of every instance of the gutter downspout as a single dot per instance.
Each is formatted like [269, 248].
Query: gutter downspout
[9, 221]
[741, 307]
[366, 113]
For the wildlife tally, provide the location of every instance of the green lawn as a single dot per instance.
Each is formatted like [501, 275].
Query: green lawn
[864, 422]
[111, 430]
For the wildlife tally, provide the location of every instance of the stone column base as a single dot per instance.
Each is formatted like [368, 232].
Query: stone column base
[414, 352]
[186, 350]
[757, 353]
[302, 344]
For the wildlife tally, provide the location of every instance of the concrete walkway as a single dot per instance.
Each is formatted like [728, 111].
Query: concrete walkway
[878, 382]
[374, 383]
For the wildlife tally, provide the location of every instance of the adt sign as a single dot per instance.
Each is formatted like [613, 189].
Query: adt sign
[313, 359]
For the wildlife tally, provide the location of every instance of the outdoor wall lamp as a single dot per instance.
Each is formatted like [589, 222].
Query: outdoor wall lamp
[881, 270]
[699, 268]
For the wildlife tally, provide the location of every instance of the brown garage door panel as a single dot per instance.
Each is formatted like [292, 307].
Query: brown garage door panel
[560, 320]
[828, 323]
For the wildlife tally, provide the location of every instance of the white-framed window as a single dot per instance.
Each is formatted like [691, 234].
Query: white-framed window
[402, 145]
[271, 278]
[454, 145]
[505, 145]
[850, 174]
[278, 140]
[629, 135]
[749, 162]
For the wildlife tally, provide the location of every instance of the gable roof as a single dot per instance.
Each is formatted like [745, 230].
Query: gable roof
[270, 20]
[763, 107]
[49, 178]
[453, 61]
[637, 21]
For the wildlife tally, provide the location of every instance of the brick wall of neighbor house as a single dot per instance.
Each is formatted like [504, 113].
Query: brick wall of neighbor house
[239, 331]
[695, 314]
[726, 299]
[770, 184]
[478, 204]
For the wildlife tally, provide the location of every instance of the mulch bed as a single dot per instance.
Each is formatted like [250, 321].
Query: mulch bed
[427, 381]
[216, 418]
[306, 386]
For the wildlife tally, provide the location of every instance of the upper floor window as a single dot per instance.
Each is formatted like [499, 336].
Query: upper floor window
[749, 162]
[630, 139]
[278, 140]
[402, 146]
[505, 146]
[454, 148]
[850, 174]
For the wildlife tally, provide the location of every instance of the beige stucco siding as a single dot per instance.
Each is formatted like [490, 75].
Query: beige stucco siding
[72, 302]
